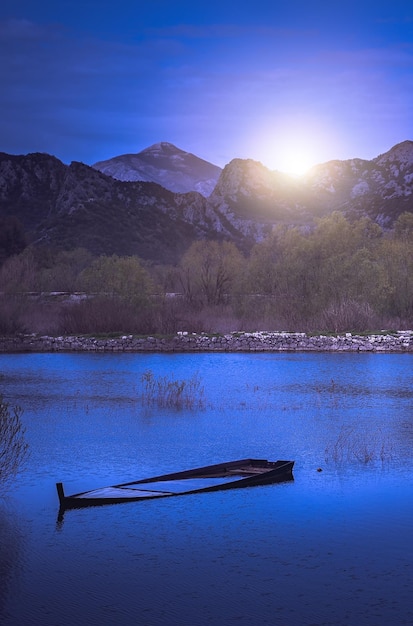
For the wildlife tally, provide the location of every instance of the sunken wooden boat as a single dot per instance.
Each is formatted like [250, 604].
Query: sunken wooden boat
[231, 475]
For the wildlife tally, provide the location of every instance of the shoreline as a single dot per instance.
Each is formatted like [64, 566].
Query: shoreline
[263, 341]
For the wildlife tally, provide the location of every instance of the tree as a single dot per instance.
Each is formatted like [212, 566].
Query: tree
[13, 448]
[119, 298]
[61, 271]
[403, 226]
[122, 277]
[298, 275]
[283, 272]
[209, 270]
[397, 262]
[346, 254]
[262, 276]
[12, 237]
[20, 273]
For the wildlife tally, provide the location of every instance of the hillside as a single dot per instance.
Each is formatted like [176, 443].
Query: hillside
[77, 205]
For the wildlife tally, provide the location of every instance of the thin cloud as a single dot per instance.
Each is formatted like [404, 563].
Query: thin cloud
[227, 31]
[20, 30]
[389, 55]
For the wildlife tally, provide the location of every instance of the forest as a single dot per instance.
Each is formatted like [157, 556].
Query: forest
[339, 276]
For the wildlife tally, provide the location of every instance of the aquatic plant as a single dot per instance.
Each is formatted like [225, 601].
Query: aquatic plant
[167, 392]
[13, 448]
[354, 446]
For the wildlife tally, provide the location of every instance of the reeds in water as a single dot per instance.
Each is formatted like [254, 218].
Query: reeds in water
[13, 448]
[167, 392]
[353, 446]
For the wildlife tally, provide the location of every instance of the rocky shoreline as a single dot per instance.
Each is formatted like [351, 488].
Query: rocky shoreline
[400, 341]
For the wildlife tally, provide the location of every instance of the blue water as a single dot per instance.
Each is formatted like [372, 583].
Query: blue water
[333, 547]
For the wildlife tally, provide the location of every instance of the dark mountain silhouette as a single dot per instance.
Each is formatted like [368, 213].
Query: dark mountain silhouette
[77, 205]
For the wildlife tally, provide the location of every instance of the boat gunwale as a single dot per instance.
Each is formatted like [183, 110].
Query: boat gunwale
[273, 471]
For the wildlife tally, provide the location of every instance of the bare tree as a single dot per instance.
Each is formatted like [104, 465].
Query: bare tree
[13, 448]
[209, 270]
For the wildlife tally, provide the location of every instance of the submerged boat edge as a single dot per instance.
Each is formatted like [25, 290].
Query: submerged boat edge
[271, 472]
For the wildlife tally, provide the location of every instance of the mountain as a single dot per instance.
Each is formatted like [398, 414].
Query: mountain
[381, 188]
[77, 205]
[165, 164]
[249, 194]
[253, 198]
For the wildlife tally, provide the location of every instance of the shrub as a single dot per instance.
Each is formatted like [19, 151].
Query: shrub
[105, 315]
[349, 315]
[12, 309]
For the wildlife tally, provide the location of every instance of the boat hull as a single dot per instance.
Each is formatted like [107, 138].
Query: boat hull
[218, 477]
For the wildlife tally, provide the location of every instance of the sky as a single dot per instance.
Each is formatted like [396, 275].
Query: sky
[290, 84]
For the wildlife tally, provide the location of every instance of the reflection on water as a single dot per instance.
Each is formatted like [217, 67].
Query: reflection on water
[330, 548]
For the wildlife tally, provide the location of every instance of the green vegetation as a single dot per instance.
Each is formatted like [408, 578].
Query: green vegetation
[13, 448]
[343, 275]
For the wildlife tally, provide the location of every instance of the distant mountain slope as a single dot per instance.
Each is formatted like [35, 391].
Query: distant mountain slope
[30, 186]
[165, 164]
[77, 205]
[381, 188]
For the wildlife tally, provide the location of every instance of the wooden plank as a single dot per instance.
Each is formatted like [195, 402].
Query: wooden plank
[249, 470]
[186, 484]
[115, 492]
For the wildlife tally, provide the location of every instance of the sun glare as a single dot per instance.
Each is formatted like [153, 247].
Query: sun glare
[293, 146]
[294, 156]
[296, 161]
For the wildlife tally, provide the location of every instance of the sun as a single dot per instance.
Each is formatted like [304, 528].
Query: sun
[294, 153]
[292, 146]
[296, 161]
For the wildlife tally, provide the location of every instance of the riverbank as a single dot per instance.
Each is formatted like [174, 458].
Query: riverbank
[400, 341]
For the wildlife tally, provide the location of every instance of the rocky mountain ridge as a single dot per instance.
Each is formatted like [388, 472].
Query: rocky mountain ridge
[165, 164]
[381, 189]
[77, 205]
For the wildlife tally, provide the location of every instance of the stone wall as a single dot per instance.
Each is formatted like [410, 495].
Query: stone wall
[401, 341]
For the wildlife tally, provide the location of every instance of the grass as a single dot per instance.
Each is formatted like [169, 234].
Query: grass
[166, 392]
[352, 446]
[13, 448]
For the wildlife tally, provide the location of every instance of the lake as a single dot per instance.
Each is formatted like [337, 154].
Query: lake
[331, 548]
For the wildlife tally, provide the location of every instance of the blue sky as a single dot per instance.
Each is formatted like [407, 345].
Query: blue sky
[302, 81]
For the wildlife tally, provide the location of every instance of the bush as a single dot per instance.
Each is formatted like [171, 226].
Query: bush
[349, 315]
[12, 309]
[13, 448]
[99, 315]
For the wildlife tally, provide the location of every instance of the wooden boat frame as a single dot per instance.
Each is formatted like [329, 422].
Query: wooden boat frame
[230, 475]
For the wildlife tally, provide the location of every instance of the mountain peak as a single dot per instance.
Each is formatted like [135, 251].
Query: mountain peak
[165, 164]
[162, 147]
[402, 152]
[74, 205]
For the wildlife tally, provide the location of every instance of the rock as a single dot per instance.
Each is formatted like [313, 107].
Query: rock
[401, 341]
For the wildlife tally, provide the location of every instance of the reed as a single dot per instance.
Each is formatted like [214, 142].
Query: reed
[167, 392]
[13, 448]
[364, 448]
